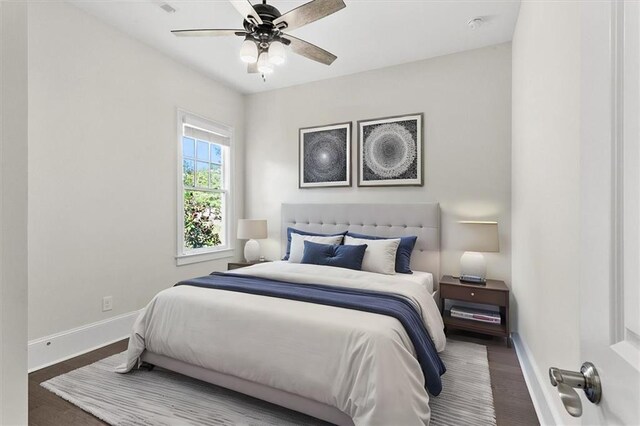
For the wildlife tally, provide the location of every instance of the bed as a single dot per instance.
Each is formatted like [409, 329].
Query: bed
[345, 366]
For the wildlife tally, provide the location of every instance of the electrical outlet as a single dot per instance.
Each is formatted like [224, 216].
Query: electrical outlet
[107, 303]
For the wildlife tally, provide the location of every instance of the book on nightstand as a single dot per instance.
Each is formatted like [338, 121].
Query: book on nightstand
[481, 315]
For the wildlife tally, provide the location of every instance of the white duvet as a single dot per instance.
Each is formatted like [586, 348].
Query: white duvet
[362, 363]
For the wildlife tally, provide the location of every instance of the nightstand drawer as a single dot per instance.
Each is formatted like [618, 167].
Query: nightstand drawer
[478, 295]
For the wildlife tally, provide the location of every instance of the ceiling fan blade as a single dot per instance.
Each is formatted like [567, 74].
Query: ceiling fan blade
[247, 11]
[207, 33]
[309, 50]
[308, 13]
[252, 68]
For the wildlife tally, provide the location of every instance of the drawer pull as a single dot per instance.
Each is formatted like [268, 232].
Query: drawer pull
[473, 294]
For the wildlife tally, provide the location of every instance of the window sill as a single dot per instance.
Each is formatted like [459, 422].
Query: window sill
[187, 259]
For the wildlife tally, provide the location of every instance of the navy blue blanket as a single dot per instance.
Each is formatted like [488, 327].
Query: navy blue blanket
[363, 300]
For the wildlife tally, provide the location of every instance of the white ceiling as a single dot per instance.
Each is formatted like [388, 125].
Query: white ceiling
[367, 34]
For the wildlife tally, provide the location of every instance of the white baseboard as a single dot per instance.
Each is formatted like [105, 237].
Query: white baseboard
[541, 394]
[58, 347]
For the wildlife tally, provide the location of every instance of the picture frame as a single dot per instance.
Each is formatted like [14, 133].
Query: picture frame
[390, 151]
[324, 156]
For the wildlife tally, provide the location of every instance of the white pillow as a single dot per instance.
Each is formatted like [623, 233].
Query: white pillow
[297, 244]
[380, 255]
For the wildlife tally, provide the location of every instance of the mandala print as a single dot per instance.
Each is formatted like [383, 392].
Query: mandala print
[390, 151]
[325, 156]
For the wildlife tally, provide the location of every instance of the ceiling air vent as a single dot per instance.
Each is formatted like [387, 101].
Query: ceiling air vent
[167, 7]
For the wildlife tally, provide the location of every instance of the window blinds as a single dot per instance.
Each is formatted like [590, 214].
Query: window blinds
[205, 135]
[196, 128]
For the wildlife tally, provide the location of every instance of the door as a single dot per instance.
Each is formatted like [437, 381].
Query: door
[610, 221]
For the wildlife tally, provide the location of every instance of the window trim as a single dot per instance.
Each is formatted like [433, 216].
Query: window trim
[206, 253]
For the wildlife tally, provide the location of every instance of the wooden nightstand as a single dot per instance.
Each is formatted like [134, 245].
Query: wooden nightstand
[495, 293]
[236, 265]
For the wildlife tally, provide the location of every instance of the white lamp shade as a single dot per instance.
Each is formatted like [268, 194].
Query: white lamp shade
[249, 229]
[264, 66]
[276, 53]
[249, 52]
[478, 236]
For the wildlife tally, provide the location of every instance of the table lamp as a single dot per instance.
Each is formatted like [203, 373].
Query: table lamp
[476, 237]
[252, 230]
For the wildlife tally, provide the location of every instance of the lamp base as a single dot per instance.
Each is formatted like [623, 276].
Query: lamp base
[473, 268]
[252, 251]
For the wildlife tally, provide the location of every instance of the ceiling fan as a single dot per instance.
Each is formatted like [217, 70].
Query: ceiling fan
[265, 33]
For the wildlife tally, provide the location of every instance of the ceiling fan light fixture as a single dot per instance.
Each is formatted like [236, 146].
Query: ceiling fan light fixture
[264, 66]
[249, 52]
[276, 53]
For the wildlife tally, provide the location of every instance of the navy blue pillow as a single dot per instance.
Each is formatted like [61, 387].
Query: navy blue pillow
[403, 255]
[291, 230]
[334, 255]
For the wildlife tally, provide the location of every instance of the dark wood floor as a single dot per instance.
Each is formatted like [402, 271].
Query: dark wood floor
[47, 409]
[511, 398]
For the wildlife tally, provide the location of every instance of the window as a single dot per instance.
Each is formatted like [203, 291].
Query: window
[204, 194]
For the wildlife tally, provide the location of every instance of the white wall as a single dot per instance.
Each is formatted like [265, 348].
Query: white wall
[102, 167]
[13, 213]
[546, 184]
[466, 101]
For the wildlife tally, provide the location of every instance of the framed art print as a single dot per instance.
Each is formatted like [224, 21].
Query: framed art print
[325, 156]
[390, 151]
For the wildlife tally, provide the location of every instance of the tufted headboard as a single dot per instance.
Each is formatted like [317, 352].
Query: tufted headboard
[384, 220]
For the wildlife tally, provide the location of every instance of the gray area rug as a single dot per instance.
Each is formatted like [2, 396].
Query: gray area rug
[160, 397]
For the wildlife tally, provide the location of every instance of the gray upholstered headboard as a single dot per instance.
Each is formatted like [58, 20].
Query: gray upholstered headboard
[384, 220]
